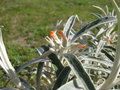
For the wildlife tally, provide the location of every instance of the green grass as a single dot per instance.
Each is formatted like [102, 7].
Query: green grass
[27, 22]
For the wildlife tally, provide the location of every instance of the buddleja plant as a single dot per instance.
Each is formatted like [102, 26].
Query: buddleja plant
[97, 59]
[87, 59]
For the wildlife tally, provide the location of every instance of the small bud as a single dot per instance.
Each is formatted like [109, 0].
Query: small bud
[53, 35]
[62, 34]
[82, 46]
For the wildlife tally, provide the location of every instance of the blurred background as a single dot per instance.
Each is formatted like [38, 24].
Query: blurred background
[27, 22]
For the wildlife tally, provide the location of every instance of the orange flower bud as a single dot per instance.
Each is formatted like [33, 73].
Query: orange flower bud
[62, 34]
[82, 46]
[53, 35]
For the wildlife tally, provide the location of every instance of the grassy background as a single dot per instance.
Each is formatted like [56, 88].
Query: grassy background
[27, 22]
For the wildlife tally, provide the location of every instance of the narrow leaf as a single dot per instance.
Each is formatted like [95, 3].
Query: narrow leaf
[62, 78]
[111, 48]
[38, 75]
[97, 68]
[97, 15]
[100, 9]
[26, 84]
[93, 25]
[79, 71]
[30, 62]
[69, 25]
[108, 55]
[55, 60]
[99, 60]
